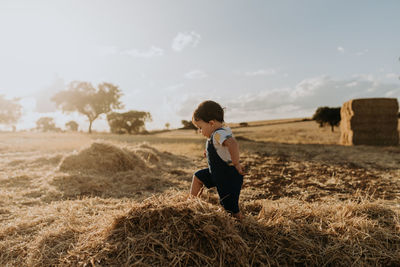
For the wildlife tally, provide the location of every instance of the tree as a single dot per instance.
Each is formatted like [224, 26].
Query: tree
[46, 124]
[167, 125]
[72, 126]
[129, 122]
[327, 115]
[10, 111]
[89, 101]
[188, 125]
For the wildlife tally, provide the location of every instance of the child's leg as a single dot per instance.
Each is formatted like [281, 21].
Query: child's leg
[196, 187]
[229, 198]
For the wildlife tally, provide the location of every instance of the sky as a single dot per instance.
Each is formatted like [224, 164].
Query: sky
[259, 59]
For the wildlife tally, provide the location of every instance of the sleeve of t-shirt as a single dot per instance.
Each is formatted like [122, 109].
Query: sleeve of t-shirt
[221, 135]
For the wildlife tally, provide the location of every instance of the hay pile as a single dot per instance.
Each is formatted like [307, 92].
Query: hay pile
[369, 122]
[109, 170]
[169, 230]
[102, 157]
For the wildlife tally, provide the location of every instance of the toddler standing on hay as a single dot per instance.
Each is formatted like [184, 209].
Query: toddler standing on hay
[224, 170]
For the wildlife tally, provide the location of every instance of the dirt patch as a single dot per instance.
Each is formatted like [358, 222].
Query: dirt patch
[274, 177]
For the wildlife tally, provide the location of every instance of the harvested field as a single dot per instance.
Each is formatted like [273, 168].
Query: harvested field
[107, 200]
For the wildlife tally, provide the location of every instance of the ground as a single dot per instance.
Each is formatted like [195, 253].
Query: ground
[59, 186]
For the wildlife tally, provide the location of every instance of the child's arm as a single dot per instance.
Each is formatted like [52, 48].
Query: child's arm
[233, 148]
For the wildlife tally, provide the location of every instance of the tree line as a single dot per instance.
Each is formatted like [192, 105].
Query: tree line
[84, 98]
[87, 100]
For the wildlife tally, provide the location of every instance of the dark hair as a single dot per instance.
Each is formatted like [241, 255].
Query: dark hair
[209, 110]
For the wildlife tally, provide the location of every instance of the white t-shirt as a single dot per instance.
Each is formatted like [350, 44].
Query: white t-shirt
[219, 136]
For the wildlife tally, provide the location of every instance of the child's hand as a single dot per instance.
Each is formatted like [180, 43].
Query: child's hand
[205, 153]
[239, 168]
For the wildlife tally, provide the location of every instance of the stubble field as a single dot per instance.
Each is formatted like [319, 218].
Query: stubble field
[112, 200]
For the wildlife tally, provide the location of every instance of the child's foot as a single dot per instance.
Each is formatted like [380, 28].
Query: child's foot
[239, 216]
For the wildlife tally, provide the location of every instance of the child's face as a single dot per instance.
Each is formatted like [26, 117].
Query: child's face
[206, 128]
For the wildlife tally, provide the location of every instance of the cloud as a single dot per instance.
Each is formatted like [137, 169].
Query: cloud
[106, 50]
[392, 75]
[367, 77]
[195, 74]
[262, 72]
[153, 51]
[187, 104]
[183, 40]
[340, 49]
[361, 53]
[304, 98]
[300, 100]
[351, 84]
[174, 88]
[326, 91]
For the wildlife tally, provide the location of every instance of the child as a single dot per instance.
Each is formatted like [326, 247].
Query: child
[224, 170]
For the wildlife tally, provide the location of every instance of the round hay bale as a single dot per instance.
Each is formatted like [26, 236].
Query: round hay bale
[102, 157]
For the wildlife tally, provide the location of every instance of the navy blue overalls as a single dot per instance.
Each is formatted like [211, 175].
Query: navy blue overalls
[223, 176]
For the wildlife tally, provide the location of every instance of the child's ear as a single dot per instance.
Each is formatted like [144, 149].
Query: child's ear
[211, 122]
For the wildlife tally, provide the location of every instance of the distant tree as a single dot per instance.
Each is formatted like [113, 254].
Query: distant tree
[243, 124]
[72, 126]
[89, 101]
[167, 125]
[129, 122]
[327, 115]
[46, 124]
[188, 125]
[10, 111]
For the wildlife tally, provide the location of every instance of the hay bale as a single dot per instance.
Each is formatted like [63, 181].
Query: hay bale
[102, 157]
[370, 121]
[372, 106]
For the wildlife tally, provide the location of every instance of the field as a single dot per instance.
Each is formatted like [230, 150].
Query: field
[112, 200]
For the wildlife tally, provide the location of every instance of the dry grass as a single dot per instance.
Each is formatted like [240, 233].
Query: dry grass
[109, 200]
[172, 230]
[298, 132]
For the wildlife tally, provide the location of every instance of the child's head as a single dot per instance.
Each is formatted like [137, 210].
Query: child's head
[207, 111]
[207, 117]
